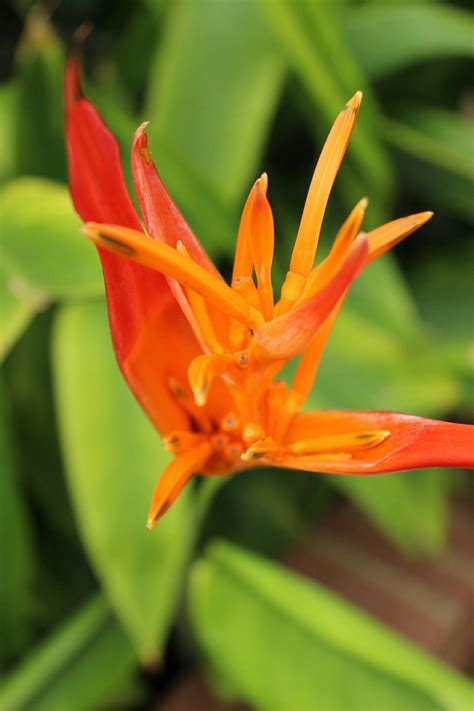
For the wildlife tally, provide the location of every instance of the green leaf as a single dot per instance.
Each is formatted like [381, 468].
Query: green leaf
[8, 99]
[213, 91]
[386, 37]
[437, 155]
[113, 457]
[39, 142]
[41, 240]
[16, 551]
[16, 308]
[283, 642]
[84, 664]
[364, 367]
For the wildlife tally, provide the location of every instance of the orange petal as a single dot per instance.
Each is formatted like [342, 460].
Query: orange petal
[162, 218]
[260, 225]
[321, 274]
[386, 236]
[163, 258]
[173, 479]
[318, 194]
[243, 262]
[143, 313]
[292, 332]
[413, 443]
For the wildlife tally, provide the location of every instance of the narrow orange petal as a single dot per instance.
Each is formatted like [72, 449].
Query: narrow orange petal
[323, 179]
[173, 479]
[261, 229]
[321, 274]
[243, 262]
[289, 334]
[163, 258]
[386, 236]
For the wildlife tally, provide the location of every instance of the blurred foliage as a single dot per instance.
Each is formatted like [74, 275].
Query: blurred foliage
[230, 88]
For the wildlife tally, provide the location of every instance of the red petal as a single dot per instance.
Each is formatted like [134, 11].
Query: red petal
[142, 311]
[414, 442]
[162, 218]
[292, 332]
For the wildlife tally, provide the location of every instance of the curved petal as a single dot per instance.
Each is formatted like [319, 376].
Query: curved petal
[162, 218]
[143, 313]
[289, 334]
[413, 443]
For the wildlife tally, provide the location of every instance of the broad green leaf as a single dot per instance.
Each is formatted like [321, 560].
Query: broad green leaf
[387, 37]
[213, 90]
[16, 553]
[39, 143]
[41, 240]
[85, 664]
[285, 643]
[313, 63]
[113, 457]
[16, 307]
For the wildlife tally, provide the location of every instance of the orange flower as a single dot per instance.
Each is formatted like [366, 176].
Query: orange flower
[201, 356]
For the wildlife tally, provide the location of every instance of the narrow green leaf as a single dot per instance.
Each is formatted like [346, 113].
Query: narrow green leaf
[213, 91]
[8, 99]
[84, 664]
[39, 143]
[387, 37]
[113, 457]
[16, 553]
[437, 155]
[41, 240]
[306, 55]
[267, 630]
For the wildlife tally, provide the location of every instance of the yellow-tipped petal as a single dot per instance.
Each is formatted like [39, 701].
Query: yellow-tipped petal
[159, 256]
[386, 236]
[323, 179]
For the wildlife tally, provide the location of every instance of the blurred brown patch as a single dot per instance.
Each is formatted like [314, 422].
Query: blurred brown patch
[428, 600]
[191, 693]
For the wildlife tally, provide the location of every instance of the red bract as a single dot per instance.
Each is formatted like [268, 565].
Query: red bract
[201, 356]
